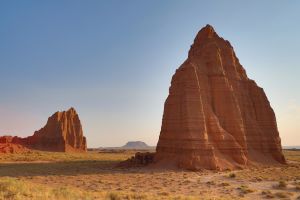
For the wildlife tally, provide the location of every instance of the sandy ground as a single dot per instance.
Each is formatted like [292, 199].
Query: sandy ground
[98, 175]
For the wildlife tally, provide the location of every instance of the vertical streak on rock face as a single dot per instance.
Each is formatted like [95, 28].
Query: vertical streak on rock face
[200, 98]
[215, 117]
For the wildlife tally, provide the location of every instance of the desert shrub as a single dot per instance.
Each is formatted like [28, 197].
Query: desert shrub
[63, 192]
[186, 182]
[210, 183]
[282, 195]
[265, 192]
[297, 185]
[282, 184]
[136, 196]
[245, 189]
[268, 194]
[164, 194]
[113, 196]
[232, 175]
[224, 184]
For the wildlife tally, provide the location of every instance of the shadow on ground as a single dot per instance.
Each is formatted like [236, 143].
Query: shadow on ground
[58, 168]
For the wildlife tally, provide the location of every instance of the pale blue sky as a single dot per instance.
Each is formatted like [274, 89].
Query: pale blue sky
[113, 60]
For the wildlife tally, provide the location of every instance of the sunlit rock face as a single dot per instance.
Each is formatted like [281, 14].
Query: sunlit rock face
[62, 133]
[215, 117]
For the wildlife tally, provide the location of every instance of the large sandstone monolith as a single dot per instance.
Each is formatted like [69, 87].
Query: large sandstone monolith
[62, 133]
[215, 117]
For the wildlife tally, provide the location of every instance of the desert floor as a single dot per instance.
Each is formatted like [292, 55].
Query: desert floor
[94, 175]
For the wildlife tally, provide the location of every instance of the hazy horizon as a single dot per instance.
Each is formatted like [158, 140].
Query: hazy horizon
[115, 70]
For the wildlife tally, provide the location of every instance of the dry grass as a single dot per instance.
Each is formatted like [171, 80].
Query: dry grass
[293, 155]
[282, 184]
[14, 189]
[297, 186]
[93, 175]
[285, 173]
[245, 189]
[283, 195]
[11, 188]
[268, 194]
[41, 156]
[232, 175]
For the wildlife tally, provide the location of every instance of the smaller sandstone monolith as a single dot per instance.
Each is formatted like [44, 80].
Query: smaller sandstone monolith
[62, 133]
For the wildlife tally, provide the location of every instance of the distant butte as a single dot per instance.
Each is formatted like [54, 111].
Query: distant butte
[215, 117]
[135, 145]
[62, 133]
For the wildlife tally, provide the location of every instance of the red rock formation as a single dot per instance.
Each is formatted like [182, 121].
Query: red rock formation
[62, 133]
[6, 139]
[12, 148]
[7, 146]
[215, 117]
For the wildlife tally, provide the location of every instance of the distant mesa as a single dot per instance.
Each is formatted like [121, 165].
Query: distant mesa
[135, 145]
[144, 156]
[131, 145]
[215, 117]
[292, 148]
[62, 133]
